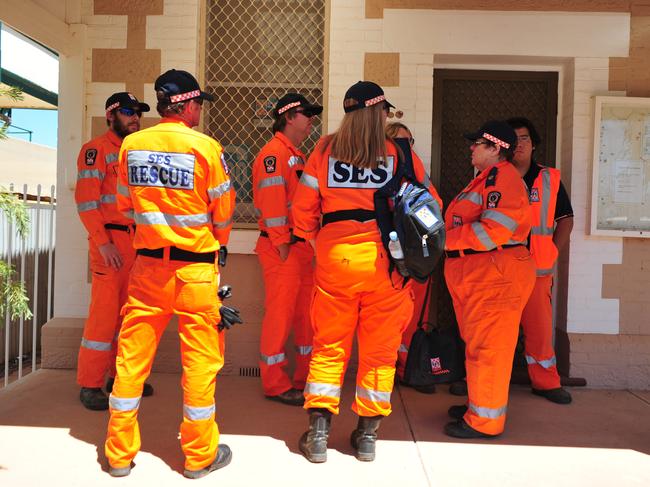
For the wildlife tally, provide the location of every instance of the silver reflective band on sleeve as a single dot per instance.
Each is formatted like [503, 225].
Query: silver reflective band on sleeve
[322, 389]
[304, 349]
[87, 206]
[475, 198]
[111, 157]
[222, 224]
[272, 359]
[482, 235]
[547, 364]
[500, 218]
[309, 181]
[99, 346]
[124, 403]
[544, 272]
[108, 198]
[157, 218]
[276, 222]
[274, 181]
[489, 413]
[90, 174]
[542, 230]
[196, 413]
[403, 348]
[219, 191]
[293, 160]
[373, 395]
[123, 190]
[130, 214]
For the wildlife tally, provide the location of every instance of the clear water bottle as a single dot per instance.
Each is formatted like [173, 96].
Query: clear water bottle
[397, 253]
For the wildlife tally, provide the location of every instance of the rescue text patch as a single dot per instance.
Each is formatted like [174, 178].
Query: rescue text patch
[91, 156]
[161, 169]
[269, 164]
[345, 175]
[493, 199]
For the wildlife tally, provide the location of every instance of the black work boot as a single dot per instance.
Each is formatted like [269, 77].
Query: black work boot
[558, 396]
[147, 390]
[363, 438]
[223, 458]
[457, 412]
[313, 443]
[93, 398]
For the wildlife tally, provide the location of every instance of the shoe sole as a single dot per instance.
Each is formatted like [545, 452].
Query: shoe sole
[314, 457]
[197, 474]
[119, 472]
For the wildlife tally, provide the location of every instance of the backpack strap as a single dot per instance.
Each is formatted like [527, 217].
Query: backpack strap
[425, 303]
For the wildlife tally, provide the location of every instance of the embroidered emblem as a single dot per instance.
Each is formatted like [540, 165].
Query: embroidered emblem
[493, 199]
[457, 221]
[269, 164]
[91, 156]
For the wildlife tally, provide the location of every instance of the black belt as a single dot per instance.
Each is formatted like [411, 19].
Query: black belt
[451, 254]
[178, 254]
[121, 228]
[341, 215]
[294, 239]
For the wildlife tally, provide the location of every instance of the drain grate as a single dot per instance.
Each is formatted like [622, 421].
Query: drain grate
[249, 371]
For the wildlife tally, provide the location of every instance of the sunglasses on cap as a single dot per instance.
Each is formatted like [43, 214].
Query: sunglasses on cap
[129, 112]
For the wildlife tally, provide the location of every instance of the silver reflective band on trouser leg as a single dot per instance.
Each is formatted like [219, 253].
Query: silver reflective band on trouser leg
[108, 198]
[197, 413]
[544, 272]
[322, 389]
[500, 218]
[124, 403]
[304, 349]
[123, 190]
[167, 219]
[273, 181]
[373, 395]
[490, 413]
[547, 364]
[90, 174]
[87, 206]
[222, 224]
[99, 346]
[482, 235]
[272, 359]
[475, 198]
[219, 191]
[309, 181]
[276, 222]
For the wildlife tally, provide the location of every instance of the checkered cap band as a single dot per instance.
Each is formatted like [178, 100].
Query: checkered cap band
[492, 138]
[185, 96]
[114, 105]
[288, 107]
[375, 100]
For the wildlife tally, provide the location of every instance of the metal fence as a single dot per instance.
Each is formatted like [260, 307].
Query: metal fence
[32, 257]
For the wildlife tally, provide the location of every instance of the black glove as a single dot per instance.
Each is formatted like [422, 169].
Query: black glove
[223, 255]
[229, 317]
[225, 292]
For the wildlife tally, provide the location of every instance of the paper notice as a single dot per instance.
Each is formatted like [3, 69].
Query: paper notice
[628, 182]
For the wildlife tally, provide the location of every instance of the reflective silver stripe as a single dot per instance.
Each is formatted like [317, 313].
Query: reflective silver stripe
[373, 395]
[403, 348]
[542, 230]
[196, 413]
[475, 198]
[112, 157]
[547, 364]
[274, 181]
[309, 181]
[516, 242]
[124, 403]
[546, 196]
[322, 389]
[482, 235]
[293, 160]
[123, 190]
[99, 346]
[222, 224]
[304, 349]
[87, 206]
[130, 214]
[157, 218]
[500, 218]
[488, 412]
[258, 213]
[219, 191]
[276, 222]
[544, 272]
[108, 198]
[90, 174]
[273, 359]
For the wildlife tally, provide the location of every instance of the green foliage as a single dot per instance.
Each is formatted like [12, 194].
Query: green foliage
[12, 294]
[14, 94]
[15, 211]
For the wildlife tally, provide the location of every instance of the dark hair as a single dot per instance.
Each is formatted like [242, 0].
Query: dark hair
[108, 122]
[524, 123]
[280, 123]
[165, 108]
[504, 154]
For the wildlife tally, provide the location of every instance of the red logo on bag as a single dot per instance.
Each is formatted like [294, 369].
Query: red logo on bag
[436, 367]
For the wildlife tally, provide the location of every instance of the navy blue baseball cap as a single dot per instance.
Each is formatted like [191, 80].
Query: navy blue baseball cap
[124, 99]
[496, 131]
[364, 94]
[174, 86]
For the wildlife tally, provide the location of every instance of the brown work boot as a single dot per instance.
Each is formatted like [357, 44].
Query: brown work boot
[313, 442]
[292, 397]
[363, 438]
[147, 390]
[93, 398]
[223, 458]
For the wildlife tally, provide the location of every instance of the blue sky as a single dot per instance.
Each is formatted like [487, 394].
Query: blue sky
[43, 124]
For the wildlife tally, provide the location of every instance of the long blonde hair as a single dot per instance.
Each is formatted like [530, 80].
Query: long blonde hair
[360, 139]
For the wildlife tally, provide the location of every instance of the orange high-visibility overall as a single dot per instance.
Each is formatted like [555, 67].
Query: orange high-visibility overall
[490, 275]
[354, 291]
[288, 285]
[537, 317]
[175, 183]
[97, 207]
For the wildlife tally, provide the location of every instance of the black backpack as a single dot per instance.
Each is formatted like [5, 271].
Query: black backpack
[415, 216]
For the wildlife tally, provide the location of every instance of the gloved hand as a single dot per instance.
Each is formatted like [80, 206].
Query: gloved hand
[225, 292]
[229, 317]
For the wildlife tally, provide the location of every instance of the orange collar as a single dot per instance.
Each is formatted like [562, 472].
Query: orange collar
[285, 140]
[113, 138]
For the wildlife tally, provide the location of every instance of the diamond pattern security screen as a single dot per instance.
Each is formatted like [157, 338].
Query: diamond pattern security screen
[255, 52]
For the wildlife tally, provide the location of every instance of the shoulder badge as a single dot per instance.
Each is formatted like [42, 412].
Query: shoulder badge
[457, 221]
[269, 164]
[226, 169]
[493, 199]
[491, 179]
[91, 157]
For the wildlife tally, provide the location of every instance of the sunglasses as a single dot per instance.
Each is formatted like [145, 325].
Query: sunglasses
[129, 112]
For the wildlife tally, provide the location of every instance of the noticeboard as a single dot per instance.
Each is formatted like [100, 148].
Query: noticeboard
[620, 200]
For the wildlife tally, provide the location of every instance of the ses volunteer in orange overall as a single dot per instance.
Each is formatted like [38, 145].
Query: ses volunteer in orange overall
[552, 224]
[490, 275]
[354, 292]
[174, 183]
[110, 241]
[287, 260]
